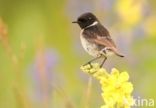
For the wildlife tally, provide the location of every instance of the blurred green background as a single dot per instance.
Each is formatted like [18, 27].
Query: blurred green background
[41, 53]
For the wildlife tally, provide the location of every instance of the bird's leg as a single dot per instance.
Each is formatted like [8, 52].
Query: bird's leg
[103, 61]
[89, 62]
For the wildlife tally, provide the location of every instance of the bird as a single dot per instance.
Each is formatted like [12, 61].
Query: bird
[95, 38]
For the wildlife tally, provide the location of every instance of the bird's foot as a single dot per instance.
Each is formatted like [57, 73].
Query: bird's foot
[88, 63]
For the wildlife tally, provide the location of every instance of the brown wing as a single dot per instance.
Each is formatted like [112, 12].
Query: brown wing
[99, 34]
[106, 41]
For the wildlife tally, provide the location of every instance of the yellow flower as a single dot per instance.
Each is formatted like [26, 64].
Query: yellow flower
[116, 89]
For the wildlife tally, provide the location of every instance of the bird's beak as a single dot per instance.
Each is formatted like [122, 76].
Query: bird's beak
[74, 22]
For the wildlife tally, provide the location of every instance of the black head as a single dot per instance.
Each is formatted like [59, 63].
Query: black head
[86, 20]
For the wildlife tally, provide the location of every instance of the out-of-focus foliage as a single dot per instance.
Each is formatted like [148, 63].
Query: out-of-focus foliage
[40, 50]
[130, 13]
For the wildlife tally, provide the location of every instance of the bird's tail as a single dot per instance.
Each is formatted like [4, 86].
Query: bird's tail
[117, 53]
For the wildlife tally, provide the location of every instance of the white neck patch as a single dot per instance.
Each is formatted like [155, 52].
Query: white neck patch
[94, 23]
